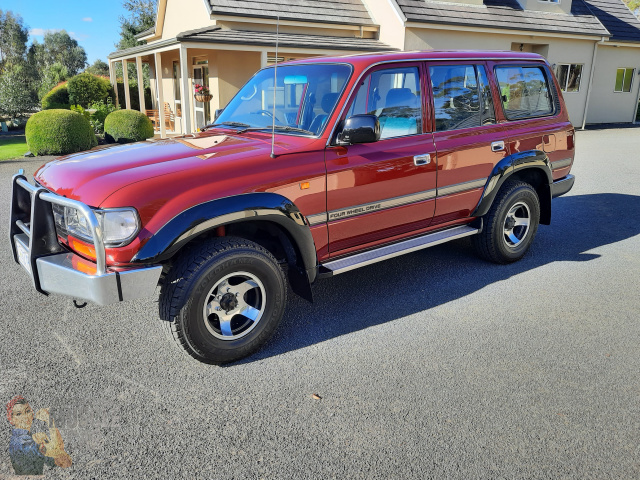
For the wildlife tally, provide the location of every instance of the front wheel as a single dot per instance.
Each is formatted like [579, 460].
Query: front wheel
[511, 224]
[223, 300]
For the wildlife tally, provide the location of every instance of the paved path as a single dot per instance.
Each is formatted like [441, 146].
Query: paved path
[433, 365]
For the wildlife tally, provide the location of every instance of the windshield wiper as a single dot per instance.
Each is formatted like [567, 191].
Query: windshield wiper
[287, 128]
[228, 124]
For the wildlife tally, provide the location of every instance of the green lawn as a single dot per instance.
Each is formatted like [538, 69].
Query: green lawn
[12, 147]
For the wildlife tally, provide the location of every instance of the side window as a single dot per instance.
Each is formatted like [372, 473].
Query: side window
[524, 91]
[393, 95]
[624, 79]
[461, 99]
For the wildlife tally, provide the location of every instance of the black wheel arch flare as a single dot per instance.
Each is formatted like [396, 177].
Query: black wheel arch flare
[514, 166]
[263, 206]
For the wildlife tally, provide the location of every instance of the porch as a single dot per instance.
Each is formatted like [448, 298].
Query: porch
[222, 60]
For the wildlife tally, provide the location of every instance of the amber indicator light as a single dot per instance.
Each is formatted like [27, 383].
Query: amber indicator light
[304, 185]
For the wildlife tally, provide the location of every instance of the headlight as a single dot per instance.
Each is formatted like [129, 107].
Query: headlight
[119, 225]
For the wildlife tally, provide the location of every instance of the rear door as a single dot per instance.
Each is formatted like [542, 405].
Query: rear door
[382, 190]
[468, 140]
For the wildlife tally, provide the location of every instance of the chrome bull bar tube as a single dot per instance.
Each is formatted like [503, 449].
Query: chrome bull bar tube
[34, 240]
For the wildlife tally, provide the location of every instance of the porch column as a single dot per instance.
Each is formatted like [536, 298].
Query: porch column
[113, 79]
[184, 90]
[158, 62]
[263, 59]
[143, 106]
[125, 79]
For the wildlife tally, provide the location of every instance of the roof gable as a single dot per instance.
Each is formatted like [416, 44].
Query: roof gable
[349, 12]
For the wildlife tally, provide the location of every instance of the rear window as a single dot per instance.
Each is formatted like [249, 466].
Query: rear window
[524, 91]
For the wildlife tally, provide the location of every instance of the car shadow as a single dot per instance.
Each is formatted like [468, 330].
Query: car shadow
[422, 280]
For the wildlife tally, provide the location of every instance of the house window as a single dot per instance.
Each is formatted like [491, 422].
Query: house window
[569, 76]
[624, 79]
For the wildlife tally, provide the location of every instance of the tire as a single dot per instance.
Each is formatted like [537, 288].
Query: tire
[510, 225]
[223, 300]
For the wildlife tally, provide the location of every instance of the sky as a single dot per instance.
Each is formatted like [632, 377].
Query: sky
[93, 24]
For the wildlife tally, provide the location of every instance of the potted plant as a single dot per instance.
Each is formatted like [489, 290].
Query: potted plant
[202, 93]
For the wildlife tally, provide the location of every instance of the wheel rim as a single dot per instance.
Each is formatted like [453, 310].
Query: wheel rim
[234, 306]
[516, 224]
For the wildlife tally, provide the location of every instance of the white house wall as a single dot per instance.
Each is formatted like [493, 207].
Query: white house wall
[605, 105]
[560, 50]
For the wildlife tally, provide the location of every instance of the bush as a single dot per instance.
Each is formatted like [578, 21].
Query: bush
[58, 132]
[126, 126]
[102, 110]
[57, 98]
[86, 88]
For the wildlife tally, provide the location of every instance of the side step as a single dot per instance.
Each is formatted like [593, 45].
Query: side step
[358, 260]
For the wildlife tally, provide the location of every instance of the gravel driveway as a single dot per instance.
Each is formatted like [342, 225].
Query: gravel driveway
[432, 365]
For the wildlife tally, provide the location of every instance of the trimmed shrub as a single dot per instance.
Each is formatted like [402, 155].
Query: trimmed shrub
[126, 126]
[58, 132]
[57, 98]
[86, 88]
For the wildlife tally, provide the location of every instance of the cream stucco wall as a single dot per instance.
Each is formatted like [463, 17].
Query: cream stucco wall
[185, 15]
[605, 105]
[560, 50]
[386, 14]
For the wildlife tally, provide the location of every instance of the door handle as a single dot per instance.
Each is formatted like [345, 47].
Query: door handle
[422, 159]
[497, 146]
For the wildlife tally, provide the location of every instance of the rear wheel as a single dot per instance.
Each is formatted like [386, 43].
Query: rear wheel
[511, 224]
[223, 300]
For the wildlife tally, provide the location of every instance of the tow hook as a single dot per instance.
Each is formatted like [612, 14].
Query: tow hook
[78, 305]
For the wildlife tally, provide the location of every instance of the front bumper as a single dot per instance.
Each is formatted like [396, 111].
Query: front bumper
[56, 270]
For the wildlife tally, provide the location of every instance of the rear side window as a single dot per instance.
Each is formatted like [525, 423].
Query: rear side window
[524, 92]
[461, 96]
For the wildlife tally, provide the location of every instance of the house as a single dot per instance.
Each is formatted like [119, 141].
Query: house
[593, 45]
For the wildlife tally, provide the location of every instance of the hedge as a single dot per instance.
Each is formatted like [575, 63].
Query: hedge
[126, 126]
[85, 89]
[59, 132]
[58, 97]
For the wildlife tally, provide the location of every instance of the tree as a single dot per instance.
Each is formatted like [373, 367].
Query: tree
[634, 5]
[142, 16]
[50, 77]
[59, 47]
[98, 68]
[13, 39]
[17, 93]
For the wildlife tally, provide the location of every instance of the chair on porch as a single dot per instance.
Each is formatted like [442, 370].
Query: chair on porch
[169, 117]
[154, 116]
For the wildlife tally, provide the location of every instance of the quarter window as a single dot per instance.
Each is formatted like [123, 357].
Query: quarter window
[524, 92]
[624, 79]
[569, 76]
[461, 96]
[393, 96]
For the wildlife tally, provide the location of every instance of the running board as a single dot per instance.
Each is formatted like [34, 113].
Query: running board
[342, 265]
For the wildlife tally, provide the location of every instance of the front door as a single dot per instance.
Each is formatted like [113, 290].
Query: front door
[379, 191]
[202, 110]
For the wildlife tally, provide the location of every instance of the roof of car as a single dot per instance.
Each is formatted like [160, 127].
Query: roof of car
[375, 57]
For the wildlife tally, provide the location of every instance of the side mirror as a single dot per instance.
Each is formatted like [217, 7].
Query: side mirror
[217, 113]
[360, 129]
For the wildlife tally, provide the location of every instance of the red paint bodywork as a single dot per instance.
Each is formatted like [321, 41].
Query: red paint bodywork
[165, 177]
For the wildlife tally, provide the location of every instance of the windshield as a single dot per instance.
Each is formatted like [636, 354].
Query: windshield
[305, 96]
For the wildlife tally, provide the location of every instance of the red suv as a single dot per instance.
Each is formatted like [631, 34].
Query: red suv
[316, 167]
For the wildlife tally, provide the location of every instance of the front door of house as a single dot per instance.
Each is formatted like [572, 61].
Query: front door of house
[202, 110]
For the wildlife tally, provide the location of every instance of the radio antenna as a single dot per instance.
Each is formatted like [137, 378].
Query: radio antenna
[275, 83]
